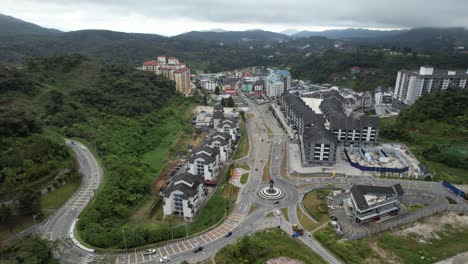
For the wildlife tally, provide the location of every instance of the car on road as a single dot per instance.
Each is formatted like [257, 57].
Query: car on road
[334, 218]
[331, 207]
[149, 251]
[73, 142]
[83, 148]
[197, 249]
[228, 234]
[164, 259]
[341, 203]
[277, 202]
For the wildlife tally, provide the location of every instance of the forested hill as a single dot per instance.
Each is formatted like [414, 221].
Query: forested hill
[12, 26]
[436, 128]
[116, 108]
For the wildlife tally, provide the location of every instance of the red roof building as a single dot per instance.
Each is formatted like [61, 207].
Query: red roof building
[150, 62]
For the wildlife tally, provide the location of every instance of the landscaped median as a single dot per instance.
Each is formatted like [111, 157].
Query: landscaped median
[243, 147]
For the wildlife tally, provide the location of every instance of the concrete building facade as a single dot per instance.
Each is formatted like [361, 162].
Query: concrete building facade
[411, 84]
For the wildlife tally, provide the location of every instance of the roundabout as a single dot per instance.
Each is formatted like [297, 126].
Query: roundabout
[271, 192]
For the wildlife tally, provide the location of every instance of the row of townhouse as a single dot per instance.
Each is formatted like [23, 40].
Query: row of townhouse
[319, 132]
[185, 193]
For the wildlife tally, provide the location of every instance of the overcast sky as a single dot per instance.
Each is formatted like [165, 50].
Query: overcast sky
[171, 17]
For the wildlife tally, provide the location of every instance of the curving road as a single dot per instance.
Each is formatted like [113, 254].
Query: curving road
[247, 217]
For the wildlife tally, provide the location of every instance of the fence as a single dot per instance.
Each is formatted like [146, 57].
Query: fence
[375, 169]
[454, 189]
[405, 219]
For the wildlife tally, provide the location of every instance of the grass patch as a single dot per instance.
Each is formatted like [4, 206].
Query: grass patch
[316, 206]
[416, 207]
[242, 166]
[253, 208]
[408, 248]
[284, 212]
[284, 163]
[53, 200]
[266, 169]
[270, 214]
[244, 145]
[264, 245]
[244, 178]
[21, 223]
[349, 251]
[450, 200]
[305, 221]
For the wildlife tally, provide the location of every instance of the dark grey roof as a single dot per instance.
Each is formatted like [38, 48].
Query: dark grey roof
[358, 192]
[221, 141]
[318, 133]
[221, 134]
[208, 149]
[205, 157]
[218, 115]
[398, 189]
[218, 107]
[188, 191]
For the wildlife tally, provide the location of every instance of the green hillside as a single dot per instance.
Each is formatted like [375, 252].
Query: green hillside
[436, 129]
[118, 110]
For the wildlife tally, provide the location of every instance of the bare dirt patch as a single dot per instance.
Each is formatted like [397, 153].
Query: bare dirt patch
[428, 229]
[284, 260]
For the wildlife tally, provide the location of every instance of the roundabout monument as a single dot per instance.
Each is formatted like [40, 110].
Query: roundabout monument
[271, 192]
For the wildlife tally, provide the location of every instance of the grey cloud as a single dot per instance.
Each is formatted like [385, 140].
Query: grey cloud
[297, 13]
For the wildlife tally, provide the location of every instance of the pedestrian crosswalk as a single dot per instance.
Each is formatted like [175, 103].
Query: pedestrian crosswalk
[183, 245]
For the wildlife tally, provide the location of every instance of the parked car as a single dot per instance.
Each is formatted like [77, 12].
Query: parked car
[334, 218]
[331, 207]
[197, 249]
[149, 251]
[277, 202]
[228, 234]
[164, 259]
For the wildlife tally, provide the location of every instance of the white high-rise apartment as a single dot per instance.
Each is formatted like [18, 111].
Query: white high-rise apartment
[411, 84]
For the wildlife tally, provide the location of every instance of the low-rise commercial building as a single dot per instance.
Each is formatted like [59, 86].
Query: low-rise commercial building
[371, 203]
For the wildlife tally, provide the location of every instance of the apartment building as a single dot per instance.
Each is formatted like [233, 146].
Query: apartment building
[230, 127]
[205, 163]
[371, 203]
[172, 69]
[277, 82]
[411, 84]
[183, 196]
[320, 125]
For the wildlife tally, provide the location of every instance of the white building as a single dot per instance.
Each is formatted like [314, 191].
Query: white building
[183, 196]
[411, 84]
[223, 144]
[277, 82]
[205, 162]
[229, 127]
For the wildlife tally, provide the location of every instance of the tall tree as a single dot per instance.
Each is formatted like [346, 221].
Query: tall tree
[217, 90]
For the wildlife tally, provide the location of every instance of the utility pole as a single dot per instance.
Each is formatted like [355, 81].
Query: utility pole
[35, 223]
[125, 241]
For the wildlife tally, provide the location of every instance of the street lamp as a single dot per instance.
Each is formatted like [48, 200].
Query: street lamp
[35, 223]
[125, 241]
